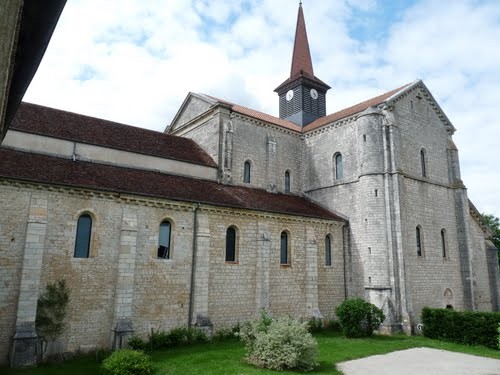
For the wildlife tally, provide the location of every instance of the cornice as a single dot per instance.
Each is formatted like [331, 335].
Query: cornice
[138, 200]
[265, 124]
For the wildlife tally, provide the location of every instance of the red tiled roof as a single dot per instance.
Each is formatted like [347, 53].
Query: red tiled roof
[259, 115]
[347, 112]
[32, 118]
[360, 107]
[64, 172]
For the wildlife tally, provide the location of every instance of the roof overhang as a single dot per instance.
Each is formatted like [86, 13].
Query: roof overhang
[34, 22]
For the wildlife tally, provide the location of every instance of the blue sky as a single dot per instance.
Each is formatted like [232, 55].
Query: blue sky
[134, 61]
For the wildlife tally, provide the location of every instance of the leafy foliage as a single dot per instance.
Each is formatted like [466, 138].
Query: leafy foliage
[494, 224]
[462, 327]
[177, 336]
[226, 333]
[127, 362]
[333, 325]
[137, 343]
[279, 344]
[51, 310]
[359, 318]
[314, 325]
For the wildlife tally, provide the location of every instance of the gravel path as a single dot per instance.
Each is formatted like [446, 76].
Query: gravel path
[421, 361]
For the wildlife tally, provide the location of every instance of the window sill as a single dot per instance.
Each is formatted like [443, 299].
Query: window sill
[235, 262]
[285, 266]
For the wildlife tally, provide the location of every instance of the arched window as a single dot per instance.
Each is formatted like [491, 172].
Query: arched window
[328, 251]
[287, 181]
[83, 233]
[246, 172]
[443, 242]
[423, 163]
[164, 240]
[339, 167]
[420, 249]
[284, 257]
[231, 244]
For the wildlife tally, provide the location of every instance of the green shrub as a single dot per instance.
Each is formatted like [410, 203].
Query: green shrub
[177, 336]
[359, 318]
[226, 333]
[463, 327]
[136, 343]
[279, 344]
[498, 335]
[127, 362]
[333, 325]
[314, 324]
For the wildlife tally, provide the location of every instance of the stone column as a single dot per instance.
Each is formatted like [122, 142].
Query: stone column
[271, 164]
[228, 153]
[262, 270]
[201, 269]
[312, 306]
[25, 343]
[125, 279]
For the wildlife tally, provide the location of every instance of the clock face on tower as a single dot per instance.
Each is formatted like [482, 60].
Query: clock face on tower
[314, 94]
[289, 95]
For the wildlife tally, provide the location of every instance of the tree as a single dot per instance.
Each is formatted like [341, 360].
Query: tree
[51, 311]
[494, 224]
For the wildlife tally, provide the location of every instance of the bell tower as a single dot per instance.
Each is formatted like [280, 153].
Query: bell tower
[302, 96]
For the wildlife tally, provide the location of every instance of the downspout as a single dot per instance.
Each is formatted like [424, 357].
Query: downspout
[193, 264]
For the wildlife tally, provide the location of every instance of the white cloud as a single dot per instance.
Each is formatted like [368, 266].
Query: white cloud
[134, 62]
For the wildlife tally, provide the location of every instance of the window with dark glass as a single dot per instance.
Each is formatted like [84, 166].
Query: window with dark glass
[284, 248]
[443, 242]
[419, 242]
[246, 172]
[339, 167]
[231, 245]
[83, 233]
[164, 240]
[422, 163]
[287, 181]
[328, 251]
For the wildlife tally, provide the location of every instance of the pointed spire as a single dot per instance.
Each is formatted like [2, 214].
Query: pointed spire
[301, 60]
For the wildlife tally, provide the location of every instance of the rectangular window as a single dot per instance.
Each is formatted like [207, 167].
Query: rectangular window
[284, 248]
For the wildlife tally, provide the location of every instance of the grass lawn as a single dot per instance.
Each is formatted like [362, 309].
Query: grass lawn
[227, 357]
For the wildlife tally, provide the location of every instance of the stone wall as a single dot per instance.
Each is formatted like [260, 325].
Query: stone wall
[271, 152]
[123, 280]
[482, 289]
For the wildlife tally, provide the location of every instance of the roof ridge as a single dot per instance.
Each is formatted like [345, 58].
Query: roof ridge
[352, 110]
[335, 116]
[111, 122]
[56, 123]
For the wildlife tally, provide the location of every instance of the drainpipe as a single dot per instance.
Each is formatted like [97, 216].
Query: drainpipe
[193, 264]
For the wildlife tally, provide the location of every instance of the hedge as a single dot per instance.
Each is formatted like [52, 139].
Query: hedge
[463, 327]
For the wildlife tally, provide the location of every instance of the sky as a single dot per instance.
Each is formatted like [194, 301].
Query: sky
[134, 62]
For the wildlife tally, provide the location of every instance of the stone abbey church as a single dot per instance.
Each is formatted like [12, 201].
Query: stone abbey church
[231, 210]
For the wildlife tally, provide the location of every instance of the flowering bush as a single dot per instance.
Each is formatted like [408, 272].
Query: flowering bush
[279, 344]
